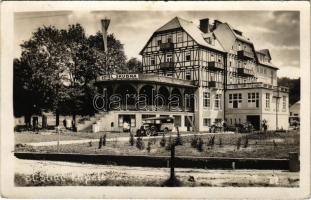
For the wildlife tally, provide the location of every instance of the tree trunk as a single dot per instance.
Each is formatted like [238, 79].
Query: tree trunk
[57, 118]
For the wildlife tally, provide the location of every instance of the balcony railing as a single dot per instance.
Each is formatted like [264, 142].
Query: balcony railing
[245, 72]
[215, 66]
[258, 85]
[245, 55]
[166, 46]
[214, 84]
[167, 66]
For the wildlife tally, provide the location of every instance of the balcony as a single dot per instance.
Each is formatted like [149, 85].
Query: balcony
[168, 66]
[214, 84]
[245, 72]
[245, 55]
[215, 66]
[166, 46]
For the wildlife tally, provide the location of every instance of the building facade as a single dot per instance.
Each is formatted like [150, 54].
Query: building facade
[200, 76]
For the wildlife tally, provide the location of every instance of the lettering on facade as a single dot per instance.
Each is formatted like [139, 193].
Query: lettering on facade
[118, 77]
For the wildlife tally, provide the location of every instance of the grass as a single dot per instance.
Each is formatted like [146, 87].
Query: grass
[271, 146]
[30, 137]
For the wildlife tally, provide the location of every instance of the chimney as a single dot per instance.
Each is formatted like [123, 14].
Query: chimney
[105, 23]
[204, 25]
[216, 23]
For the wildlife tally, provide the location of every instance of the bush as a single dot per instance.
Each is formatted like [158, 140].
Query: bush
[200, 144]
[178, 140]
[163, 141]
[220, 141]
[211, 141]
[140, 143]
[132, 140]
[238, 143]
[169, 144]
[100, 143]
[246, 142]
[194, 141]
[149, 146]
[90, 144]
[104, 140]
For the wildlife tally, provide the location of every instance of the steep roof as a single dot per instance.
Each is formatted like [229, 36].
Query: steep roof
[190, 28]
[266, 53]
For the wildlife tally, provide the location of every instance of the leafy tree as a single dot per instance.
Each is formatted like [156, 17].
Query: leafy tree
[294, 88]
[58, 67]
[134, 66]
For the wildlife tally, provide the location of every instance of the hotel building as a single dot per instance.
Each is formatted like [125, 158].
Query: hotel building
[213, 70]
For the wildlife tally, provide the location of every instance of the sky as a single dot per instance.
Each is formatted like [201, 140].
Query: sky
[278, 31]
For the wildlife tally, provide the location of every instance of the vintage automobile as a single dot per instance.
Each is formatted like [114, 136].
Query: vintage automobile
[155, 125]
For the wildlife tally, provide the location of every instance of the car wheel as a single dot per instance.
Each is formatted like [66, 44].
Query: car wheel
[166, 130]
[148, 132]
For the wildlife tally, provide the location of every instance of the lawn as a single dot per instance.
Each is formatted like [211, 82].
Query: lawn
[271, 145]
[48, 136]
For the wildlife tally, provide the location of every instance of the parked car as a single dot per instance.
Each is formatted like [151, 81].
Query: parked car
[152, 126]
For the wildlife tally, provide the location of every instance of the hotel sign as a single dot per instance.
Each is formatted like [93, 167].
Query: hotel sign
[118, 77]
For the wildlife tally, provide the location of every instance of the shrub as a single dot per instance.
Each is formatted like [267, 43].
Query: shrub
[132, 140]
[149, 146]
[246, 142]
[169, 144]
[163, 141]
[90, 144]
[220, 141]
[104, 140]
[200, 144]
[100, 143]
[238, 143]
[194, 141]
[178, 140]
[140, 143]
[211, 141]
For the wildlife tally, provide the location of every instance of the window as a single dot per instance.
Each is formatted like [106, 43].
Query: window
[177, 120]
[169, 58]
[179, 37]
[284, 102]
[253, 100]
[206, 121]
[206, 100]
[230, 63]
[212, 58]
[152, 61]
[217, 101]
[267, 100]
[169, 39]
[188, 75]
[159, 42]
[188, 56]
[235, 100]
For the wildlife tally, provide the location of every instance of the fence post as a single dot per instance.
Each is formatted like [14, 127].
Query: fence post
[293, 162]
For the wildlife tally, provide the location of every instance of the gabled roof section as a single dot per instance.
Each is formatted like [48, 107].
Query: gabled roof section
[190, 28]
[239, 37]
[173, 24]
[266, 52]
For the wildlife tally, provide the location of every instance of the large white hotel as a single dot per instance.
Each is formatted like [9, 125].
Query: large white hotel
[215, 71]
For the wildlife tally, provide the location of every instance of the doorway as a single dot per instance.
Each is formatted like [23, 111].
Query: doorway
[254, 120]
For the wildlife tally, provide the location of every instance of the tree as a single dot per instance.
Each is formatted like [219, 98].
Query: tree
[134, 65]
[59, 67]
[294, 88]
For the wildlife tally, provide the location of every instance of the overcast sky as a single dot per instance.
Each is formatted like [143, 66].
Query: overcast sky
[277, 31]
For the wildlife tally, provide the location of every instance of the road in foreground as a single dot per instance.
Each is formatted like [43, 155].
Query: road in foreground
[30, 172]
